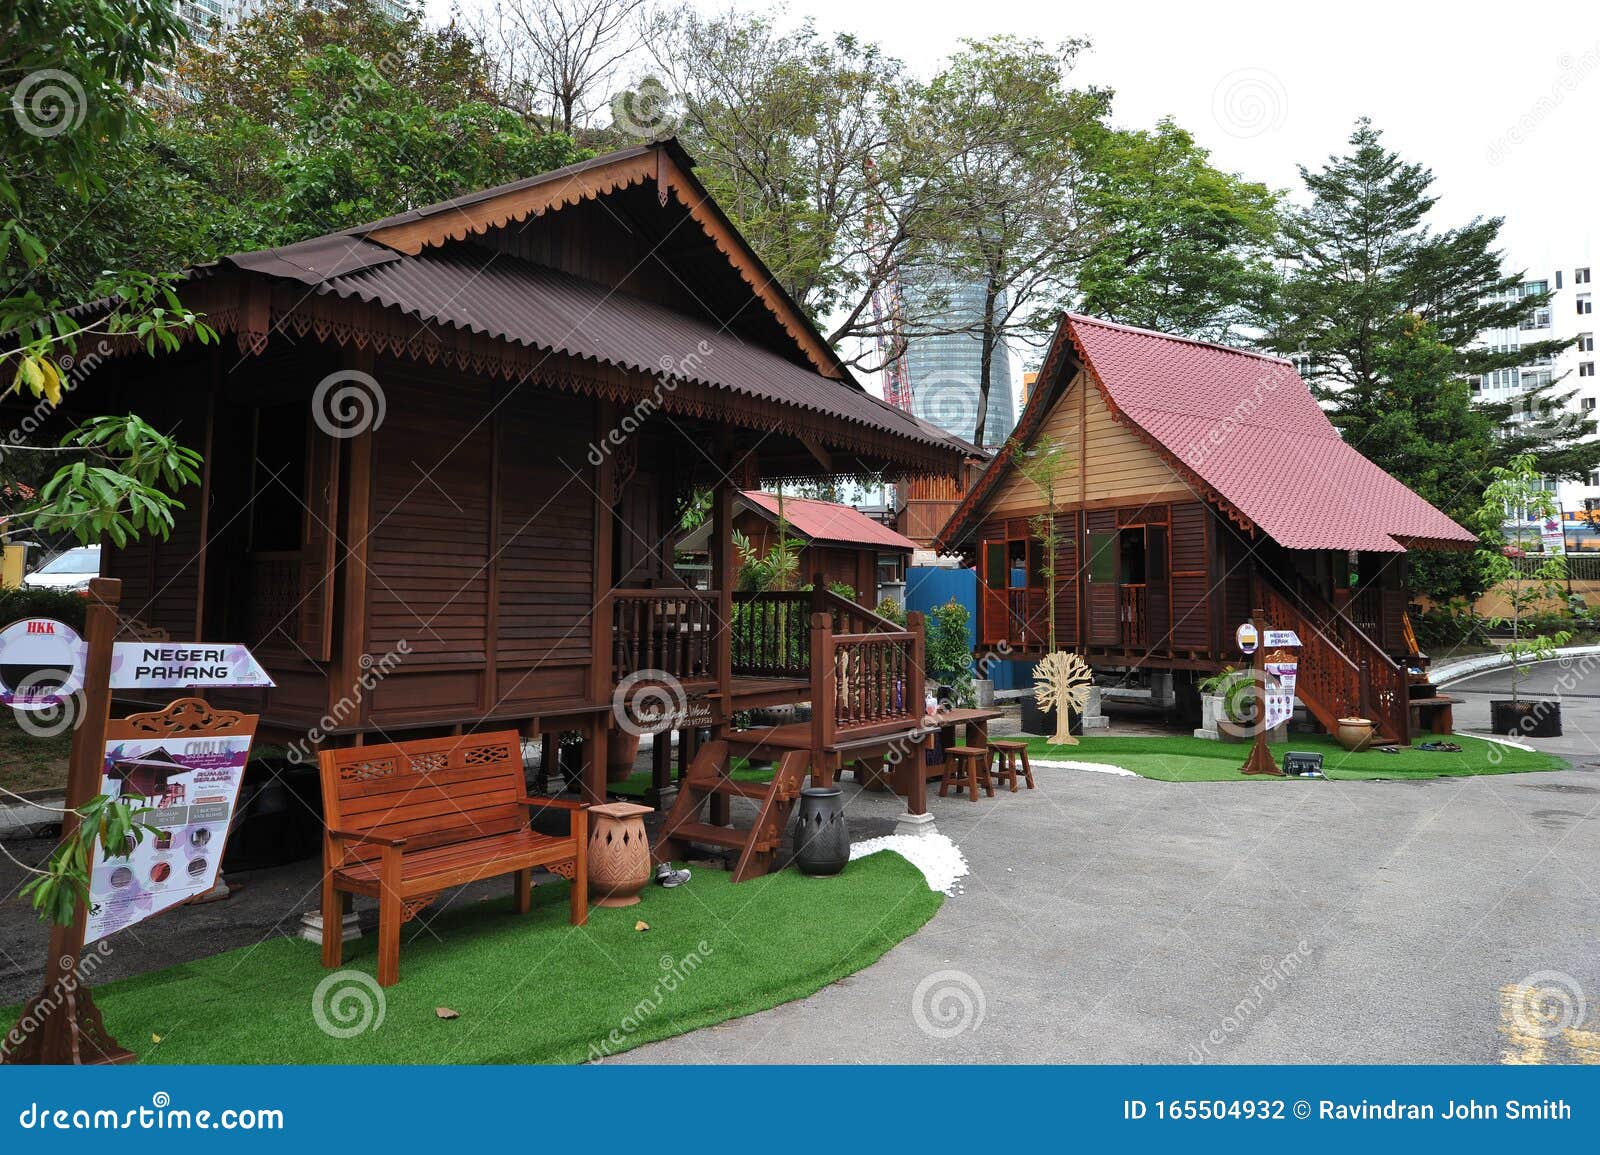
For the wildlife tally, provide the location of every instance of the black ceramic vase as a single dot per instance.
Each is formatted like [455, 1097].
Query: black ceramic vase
[821, 839]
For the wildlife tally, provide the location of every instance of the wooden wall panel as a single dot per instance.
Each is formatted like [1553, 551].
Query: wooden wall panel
[1191, 577]
[429, 547]
[545, 563]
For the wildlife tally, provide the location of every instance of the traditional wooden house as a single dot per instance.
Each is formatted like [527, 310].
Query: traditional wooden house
[1201, 483]
[446, 455]
[843, 545]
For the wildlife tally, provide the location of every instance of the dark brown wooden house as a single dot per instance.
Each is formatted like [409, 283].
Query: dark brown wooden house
[843, 545]
[446, 454]
[1202, 482]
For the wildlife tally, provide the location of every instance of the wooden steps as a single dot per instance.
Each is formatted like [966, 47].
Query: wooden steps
[707, 779]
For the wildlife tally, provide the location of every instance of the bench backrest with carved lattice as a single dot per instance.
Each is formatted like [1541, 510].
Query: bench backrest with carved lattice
[432, 792]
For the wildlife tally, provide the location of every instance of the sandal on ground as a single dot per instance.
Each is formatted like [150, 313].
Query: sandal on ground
[1387, 749]
[1449, 747]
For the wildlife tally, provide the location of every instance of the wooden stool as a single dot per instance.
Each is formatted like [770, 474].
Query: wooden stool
[967, 766]
[1008, 749]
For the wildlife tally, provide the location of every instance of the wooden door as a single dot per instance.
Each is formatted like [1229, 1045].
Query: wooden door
[992, 579]
[1157, 576]
[1102, 571]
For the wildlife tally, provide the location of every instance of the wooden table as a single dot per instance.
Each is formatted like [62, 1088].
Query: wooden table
[910, 775]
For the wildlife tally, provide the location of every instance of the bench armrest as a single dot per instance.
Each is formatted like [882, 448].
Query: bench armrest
[556, 803]
[375, 839]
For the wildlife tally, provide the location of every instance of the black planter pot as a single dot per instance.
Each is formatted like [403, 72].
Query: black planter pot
[821, 839]
[1530, 719]
[1037, 721]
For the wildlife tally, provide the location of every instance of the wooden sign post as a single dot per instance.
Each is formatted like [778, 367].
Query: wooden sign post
[1260, 759]
[64, 1025]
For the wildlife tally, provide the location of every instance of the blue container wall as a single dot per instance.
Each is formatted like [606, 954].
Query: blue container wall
[929, 586]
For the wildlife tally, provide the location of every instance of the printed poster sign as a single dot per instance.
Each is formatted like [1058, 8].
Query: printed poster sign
[191, 783]
[1282, 667]
[41, 663]
[1554, 536]
[178, 665]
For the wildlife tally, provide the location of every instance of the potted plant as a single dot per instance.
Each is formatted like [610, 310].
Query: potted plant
[1517, 494]
[949, 654]
[1227, 705]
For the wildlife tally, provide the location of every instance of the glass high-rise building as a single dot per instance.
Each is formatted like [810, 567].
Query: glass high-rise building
[945, 369]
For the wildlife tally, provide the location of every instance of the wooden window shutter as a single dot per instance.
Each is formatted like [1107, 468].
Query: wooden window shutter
[314, 618]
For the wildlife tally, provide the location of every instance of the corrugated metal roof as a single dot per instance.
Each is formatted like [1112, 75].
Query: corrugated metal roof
[1247, 425]
[828, 521]
[510, 299]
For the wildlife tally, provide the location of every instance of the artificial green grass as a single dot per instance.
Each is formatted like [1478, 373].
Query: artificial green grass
[1184, 758]
[637, 784]
[532, 989]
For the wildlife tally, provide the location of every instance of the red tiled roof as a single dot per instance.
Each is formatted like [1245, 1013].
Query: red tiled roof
[1247, 426]
[827, 521]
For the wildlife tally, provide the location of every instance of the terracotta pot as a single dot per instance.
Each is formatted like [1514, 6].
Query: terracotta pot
[1354, 733]
[619, 853]
[621, 750]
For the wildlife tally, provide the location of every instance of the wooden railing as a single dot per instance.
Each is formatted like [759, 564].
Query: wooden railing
[865, 683]
[671, 630]
[1134, 612]
[1342, 672]
[772, 635]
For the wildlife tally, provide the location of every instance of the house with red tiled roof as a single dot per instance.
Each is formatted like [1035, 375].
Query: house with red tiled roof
[1200, 483]
[842, 544]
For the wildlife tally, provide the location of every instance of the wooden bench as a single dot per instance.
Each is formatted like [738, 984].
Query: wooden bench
[407, 821]
[1435, 715]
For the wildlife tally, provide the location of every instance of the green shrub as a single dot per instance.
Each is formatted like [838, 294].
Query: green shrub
[27, 602]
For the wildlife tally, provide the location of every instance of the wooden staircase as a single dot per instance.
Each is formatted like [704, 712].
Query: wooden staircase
[707, 781]
[1343, 673]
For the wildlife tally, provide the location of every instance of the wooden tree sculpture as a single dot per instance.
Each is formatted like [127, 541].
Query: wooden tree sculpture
[1061, 682]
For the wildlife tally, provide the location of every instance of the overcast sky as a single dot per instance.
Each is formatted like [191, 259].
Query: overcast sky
[1502, 102]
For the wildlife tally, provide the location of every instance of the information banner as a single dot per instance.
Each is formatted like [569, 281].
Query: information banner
[177, 665]
[191, 785]
[1282, 667]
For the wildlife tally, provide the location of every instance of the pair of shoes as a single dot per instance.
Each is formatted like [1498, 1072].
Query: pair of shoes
[1387, 749]
[667, 877]
[1449, 747]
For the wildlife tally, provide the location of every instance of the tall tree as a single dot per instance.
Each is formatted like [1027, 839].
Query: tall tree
[561, 58]
[1362, 259]
[1179, 246]
[1005, 118]
[814, 147]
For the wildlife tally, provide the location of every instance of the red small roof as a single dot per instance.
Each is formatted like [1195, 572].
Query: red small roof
[1248, 427]
[829, 521]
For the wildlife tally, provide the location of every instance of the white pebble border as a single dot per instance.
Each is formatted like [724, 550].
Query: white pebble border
[1097, 767]
[939, 859]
